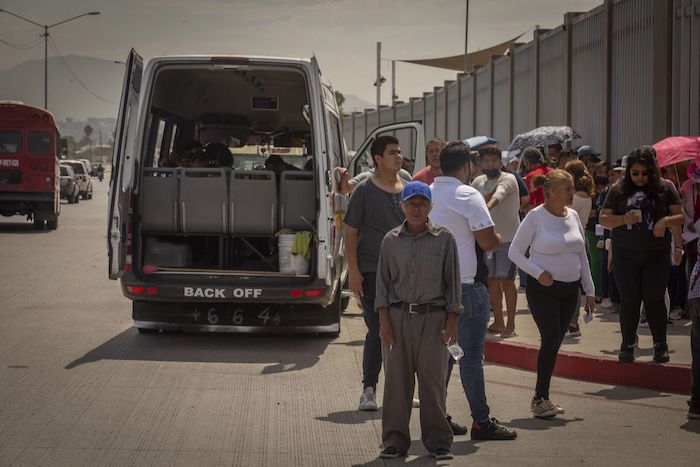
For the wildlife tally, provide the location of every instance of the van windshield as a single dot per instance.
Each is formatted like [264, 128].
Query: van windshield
[77, 167]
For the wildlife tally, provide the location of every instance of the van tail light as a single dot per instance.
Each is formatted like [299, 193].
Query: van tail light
[296, 293]
[136, 289]
[314, 292]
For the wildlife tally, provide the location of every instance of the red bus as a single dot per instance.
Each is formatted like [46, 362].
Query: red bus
[29, 167]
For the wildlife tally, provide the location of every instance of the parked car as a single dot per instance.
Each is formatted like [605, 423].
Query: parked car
[82, 174]
[90, 168]
[70, 189]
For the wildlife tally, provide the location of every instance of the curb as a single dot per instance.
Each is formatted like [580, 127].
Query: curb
[596, 369]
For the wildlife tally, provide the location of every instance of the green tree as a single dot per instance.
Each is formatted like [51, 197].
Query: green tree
[340, 99]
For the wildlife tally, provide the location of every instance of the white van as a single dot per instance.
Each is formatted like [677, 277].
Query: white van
[204, 242]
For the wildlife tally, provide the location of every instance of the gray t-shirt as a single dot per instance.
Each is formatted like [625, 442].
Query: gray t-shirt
[373, 212]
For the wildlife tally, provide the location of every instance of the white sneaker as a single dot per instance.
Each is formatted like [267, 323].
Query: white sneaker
[606, 303]
[557, 408]
[543, 408]
[415, 403]
[368, 400]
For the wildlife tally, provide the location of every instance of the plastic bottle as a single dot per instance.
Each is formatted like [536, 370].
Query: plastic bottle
[456, 351]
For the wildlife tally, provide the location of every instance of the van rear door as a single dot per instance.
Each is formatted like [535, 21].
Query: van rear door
[120, 184]
[410, 133]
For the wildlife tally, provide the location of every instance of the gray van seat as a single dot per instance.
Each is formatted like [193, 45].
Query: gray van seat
[253, 202]
[203, 201]
[297, 200]
[159, 196]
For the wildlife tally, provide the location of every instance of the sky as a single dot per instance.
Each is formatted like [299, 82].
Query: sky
[341, 33]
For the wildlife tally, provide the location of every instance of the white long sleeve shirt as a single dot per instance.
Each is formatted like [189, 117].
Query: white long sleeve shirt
[557, 245]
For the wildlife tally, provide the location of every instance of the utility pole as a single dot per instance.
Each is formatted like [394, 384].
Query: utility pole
[378, 83]
[393, 83]
[466, 38]
[46, 27]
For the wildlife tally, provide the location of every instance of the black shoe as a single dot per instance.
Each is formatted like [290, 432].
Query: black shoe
[390, 453]
[457, 429]
[626, 354]
[442, 454]
[693, 411]
[492, 430]
[661, 352]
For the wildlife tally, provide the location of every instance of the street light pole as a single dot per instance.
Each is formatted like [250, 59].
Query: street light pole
[466, 39]
[46, 28]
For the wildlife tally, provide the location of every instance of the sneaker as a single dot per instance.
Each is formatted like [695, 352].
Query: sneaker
[661, 352]
[368, 399]
[542, 408]
[693, 412]
[676, 314]
[615, 308]
[636, 341]
[574, 331]
[606, 303]
[558, 409]
[626, 354]
[493, 430]
[442, 454]
[416, 403]
[457, 429]
[390, 453]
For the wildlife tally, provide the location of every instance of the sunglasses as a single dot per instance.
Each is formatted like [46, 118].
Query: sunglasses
[638, 174]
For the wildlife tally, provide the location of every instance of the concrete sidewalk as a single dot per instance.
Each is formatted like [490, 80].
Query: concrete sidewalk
[593, 355]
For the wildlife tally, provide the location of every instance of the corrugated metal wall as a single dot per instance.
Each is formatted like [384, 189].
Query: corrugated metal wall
[440, 108]
[686, 67]
[631, 84]
[403, 114]
[587, 78]
[466, 124]
[452, 111]
[631, 118]
[429, 115]
[552, 98]
[387, 115]
[347, 131]
[501, 100]
[483, 101]
[523, 89]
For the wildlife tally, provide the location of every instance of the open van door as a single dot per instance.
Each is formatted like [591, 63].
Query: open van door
[120, 184]
[408, 133]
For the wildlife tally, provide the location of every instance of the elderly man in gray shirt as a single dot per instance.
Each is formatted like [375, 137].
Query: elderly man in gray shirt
[418, 298]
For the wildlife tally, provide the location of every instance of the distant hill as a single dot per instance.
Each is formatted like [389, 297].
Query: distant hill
[355, 104]
[67, 98]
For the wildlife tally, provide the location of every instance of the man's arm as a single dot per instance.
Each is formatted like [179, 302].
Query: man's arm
[381, 298]
[351, 234]
[488, 239]
[505, 187]
[453, 291]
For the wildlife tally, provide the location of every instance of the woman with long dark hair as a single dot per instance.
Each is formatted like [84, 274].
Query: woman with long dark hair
[640, 211]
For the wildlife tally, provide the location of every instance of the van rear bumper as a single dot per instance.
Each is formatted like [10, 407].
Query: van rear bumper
[235, 317]
[313, 293]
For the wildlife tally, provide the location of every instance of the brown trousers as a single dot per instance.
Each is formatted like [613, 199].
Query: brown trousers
[419, 352]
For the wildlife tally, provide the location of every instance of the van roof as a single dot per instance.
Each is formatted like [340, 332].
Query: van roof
[224, 57]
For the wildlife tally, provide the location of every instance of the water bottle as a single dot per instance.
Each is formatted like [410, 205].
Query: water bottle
[456, 351]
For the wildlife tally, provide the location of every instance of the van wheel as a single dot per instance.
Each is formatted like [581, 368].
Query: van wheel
[89, 195]
[52, 224]
[76, 199]
[148, 331]
[344, 302]
[38, 224]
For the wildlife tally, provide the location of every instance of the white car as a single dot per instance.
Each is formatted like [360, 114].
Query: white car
[82, 174]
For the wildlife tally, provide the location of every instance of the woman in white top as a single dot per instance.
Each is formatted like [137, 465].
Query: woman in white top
[557, 268]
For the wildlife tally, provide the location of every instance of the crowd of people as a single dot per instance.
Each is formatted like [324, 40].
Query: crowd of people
[434, 259]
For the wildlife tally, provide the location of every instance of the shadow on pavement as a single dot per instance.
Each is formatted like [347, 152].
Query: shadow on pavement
[692, 426]
[357, 343]
[538, 424]
[282, 353]
[627, 393]
[351, 417]
[22, 228]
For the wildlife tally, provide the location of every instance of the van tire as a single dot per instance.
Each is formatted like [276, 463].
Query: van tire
[52, 224]
[38, 224]
[148, 331]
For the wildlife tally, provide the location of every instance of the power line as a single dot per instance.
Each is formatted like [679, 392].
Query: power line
[63, 61]
[30, 45]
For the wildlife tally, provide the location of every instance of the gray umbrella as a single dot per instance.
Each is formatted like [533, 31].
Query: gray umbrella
[543, 137]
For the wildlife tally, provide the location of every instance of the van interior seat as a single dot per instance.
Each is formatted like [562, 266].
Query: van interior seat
[297, 200]
[253, 202]
[204, 201]
[159, 200]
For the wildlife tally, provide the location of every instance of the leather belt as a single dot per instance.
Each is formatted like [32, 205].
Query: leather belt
[414, 308]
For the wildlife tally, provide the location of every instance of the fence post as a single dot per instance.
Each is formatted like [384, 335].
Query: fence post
[473, 73]
[662, 69]
[435, 112]
[568, 33]
[607, 74]
[536, 76]
[511, 86]
[460, 79]
[491, 73]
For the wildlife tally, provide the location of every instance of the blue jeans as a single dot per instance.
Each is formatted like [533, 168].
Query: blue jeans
[372, 352]
[471, 333]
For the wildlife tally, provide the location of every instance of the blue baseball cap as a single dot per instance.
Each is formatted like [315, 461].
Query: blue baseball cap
[416, 188]
[587, 150]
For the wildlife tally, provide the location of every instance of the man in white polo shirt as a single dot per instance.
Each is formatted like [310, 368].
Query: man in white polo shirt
[463, 211]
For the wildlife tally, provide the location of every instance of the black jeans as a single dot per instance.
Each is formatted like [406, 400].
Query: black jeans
[551, 308]
[372, 352]
[642, 276]
[694, 309]
[678, 285]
